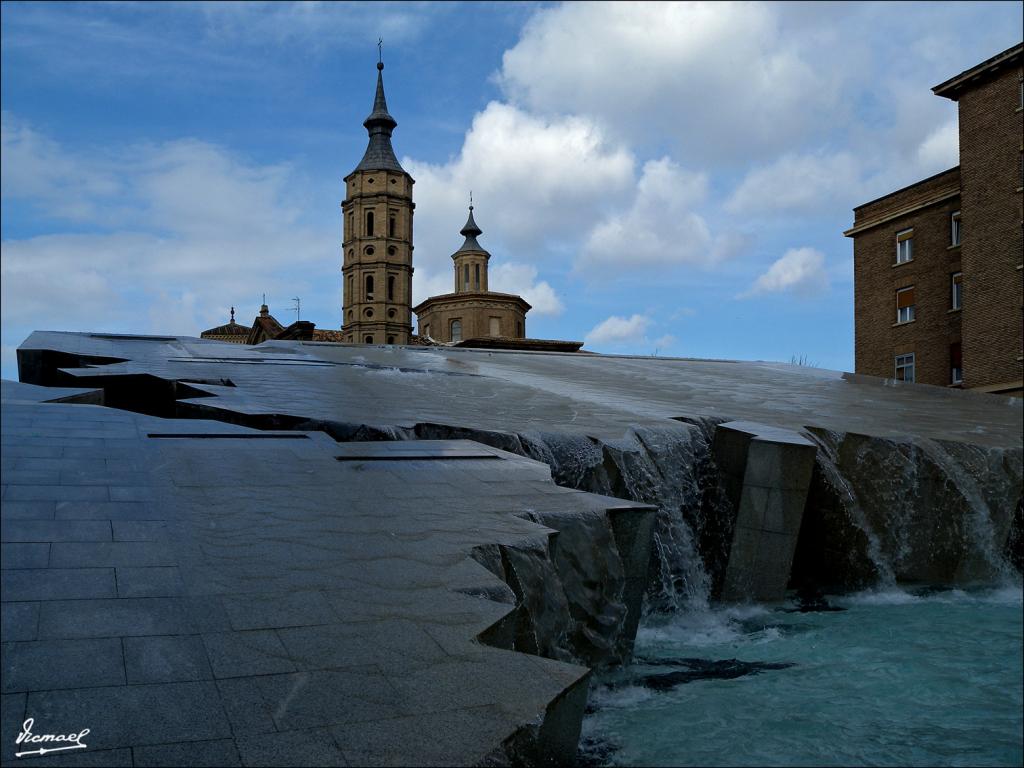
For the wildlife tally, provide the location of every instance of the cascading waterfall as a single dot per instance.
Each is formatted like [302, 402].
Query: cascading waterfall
[925, 511]
[827, 469]
[669, 468]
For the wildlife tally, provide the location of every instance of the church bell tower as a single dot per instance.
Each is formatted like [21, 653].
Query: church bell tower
[377, 241]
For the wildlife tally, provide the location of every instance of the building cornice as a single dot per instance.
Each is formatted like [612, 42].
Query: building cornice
[899, 213]
[480, 298]
[956, 85]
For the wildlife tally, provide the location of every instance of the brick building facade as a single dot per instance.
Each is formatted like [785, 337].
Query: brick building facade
[937, 265]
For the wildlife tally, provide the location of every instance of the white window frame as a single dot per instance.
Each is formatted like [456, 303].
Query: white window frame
[954, 228]
[904, 314]
[902, 258]
[956, 290]
[904, 362]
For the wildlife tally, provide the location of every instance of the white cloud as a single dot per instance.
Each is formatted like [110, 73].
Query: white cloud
[186, 229]
[663, 342]
[701, 73]
[619, 330]
[941, 148]
[521, 279]
[660, 227]
[534, 181]
[800, 271]
[798, 182]
[36, 168]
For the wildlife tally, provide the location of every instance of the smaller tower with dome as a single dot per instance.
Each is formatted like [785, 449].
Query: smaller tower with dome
[472, 311]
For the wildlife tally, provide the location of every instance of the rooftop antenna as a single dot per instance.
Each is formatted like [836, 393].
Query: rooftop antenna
[297, 309]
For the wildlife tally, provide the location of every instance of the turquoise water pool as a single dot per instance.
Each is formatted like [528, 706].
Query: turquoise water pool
[895, 679]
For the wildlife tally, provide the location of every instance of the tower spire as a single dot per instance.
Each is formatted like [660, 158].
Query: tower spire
[470, 231]
[380, 156]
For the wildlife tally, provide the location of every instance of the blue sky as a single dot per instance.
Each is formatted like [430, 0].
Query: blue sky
[670, 178]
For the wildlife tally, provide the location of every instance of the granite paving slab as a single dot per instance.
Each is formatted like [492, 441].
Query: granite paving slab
[260, 601]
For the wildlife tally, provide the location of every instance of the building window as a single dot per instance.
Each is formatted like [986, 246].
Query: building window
[495, 327]
[904, 246]
[426, 330]
[368, 339]
[456, 330]
[956, 364]
[391, 287]
[519, 329]
[954, 228]
[351, 296]
[465, 277]
[351, 226]
[369, 287]
[905, 305]
[905, 367]
[476, 276]
[957, 290]
[391, 339]
[391, 225]
[369, 223]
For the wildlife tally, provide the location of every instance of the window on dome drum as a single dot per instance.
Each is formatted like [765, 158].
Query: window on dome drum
[391, 287]
[905, 305]
[476, 277]
[957, 289]
[456, 330]
[465, 273]
[956, 364]
[904, 246]
[369, 287]
[905, 367]
[369, 223]
[494, 328]
[954, 228]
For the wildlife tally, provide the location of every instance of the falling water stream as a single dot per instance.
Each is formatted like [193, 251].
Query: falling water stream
[925, 676]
